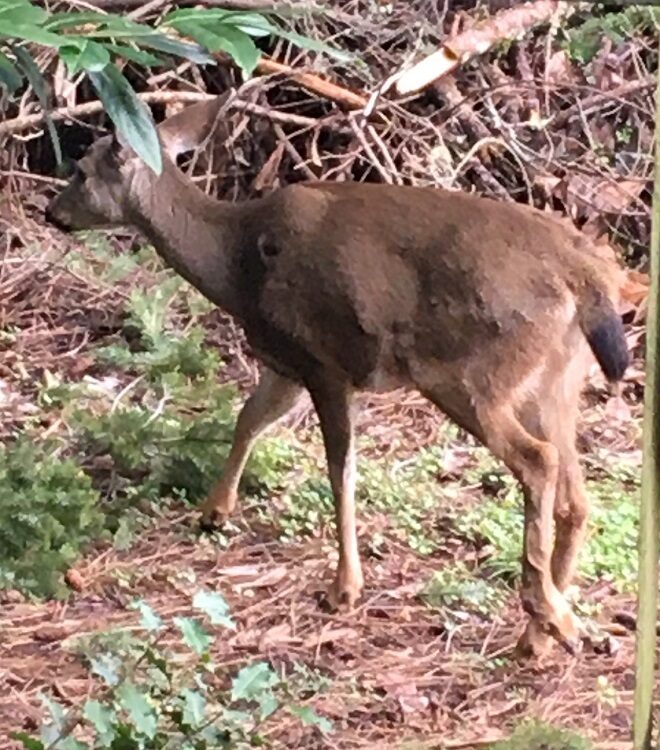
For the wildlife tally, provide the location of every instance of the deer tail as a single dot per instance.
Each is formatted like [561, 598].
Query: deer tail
[603, 328]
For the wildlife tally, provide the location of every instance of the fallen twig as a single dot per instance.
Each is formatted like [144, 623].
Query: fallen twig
[24, 122]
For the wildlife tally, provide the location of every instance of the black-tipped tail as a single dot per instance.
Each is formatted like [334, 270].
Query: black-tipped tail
[603, 329]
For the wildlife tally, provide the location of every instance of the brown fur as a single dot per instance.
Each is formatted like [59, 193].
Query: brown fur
[484, 307]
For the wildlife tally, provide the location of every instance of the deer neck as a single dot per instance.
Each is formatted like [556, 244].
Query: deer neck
[195, 235]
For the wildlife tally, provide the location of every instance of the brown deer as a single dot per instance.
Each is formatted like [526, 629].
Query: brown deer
[488, 309]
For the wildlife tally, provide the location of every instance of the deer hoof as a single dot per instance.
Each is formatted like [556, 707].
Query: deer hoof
[566, 629]
[561, 626]
[534, 643]
[343, 595]
[215, 511]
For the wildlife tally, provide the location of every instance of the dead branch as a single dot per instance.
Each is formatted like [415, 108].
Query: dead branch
[24, 122]
[315, 84]
[506, 25]
[310, 81]
[587, 105]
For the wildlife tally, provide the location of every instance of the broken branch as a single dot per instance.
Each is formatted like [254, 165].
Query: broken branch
[21, 123]
[315, 84]
[504, 26]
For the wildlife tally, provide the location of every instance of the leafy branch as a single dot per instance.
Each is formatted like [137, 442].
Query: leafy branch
[98, 45]
[152, 698]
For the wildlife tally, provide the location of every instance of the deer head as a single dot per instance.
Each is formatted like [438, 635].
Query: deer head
[111, 180]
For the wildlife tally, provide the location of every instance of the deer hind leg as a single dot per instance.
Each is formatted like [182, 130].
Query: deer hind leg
[556, 422]
[535, 462]
[333, 406]
[571, 515]
[272, 399]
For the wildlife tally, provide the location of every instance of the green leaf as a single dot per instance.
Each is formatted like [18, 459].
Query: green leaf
[194, 15]
[10, 78]
[138, 708]
[214, 607]
[56, 711]
[131, 117]
[252, 680]
[33, 74]
[150, 620]
[106, 667]
[268, 704]
[194, 707]
[309, 717]
[120, 28]
[193, 634]
[156, 659]
[103, 720]
[72, 19]
[21, 11]
[28, 742]
[253, 24]
[305, 42]
[84, 55]
[36, 79]
[136, 55]
[192, 52]
[24, 32]
[233, 41]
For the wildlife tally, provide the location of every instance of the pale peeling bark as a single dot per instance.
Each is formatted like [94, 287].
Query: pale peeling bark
[650, 504]
[504, 26]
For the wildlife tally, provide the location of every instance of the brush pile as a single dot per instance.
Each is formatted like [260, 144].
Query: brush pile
[561, 118]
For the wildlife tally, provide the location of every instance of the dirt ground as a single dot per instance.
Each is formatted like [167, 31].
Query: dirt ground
[395, 673]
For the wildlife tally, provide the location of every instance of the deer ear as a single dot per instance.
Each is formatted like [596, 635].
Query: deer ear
[185, 130]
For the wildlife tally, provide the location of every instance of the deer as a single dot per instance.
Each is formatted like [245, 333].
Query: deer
[493, 311]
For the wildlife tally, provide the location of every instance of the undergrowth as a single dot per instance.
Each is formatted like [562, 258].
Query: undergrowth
[158, 687]
[536, 735]
[611, 548]
[457, 587]
[155, 427]
[49, 510]
[585, 40]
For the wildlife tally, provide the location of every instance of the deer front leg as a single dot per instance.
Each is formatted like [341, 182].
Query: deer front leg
[272, 399]
[334, 410]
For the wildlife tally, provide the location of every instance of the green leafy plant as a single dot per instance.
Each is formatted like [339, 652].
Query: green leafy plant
[610, 550]
[154, 696]
[93, 43]
[585, 40]
[456, 586]
[50, 512]
[534, 735]
[89, 42]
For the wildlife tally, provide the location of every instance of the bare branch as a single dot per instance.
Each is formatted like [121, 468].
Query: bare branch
[24, 122]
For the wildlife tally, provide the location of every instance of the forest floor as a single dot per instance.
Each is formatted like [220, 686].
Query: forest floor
[108, 365]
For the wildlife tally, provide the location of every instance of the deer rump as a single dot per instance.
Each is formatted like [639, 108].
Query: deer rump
[350, 278]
